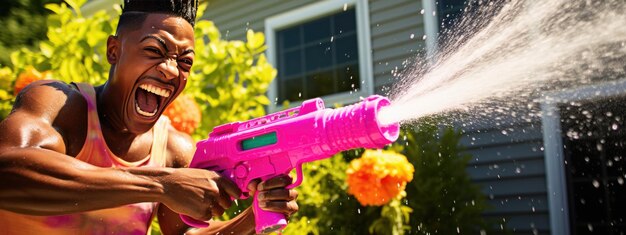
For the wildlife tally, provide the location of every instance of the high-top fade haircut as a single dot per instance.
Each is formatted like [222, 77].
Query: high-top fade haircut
[134, 12]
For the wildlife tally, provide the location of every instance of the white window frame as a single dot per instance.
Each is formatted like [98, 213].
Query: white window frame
[311, 12]
[553, 146]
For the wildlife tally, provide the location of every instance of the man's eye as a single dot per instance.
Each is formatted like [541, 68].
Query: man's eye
[153, 50]
[187, 61]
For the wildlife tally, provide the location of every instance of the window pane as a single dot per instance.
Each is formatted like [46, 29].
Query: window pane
[585, 159]
[317, 30]
[348, 78]
[289, 38]
[346, 49]
[291, 90]
[615, 151]
[318, 56]
[292, 63]
[617, 190]
[345, 22]
[320, 84]
[590, 204]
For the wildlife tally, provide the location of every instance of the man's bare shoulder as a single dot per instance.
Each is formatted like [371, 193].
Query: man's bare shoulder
[34, 118]
[181, 148]
[45, 98]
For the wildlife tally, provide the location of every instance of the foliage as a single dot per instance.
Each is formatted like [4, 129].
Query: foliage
[74, 49]
[23, 25]
[443, 198]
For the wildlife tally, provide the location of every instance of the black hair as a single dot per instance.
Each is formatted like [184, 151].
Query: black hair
[134, 12]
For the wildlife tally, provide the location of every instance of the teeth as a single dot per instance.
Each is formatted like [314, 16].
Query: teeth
[144, 113]
[155, 90]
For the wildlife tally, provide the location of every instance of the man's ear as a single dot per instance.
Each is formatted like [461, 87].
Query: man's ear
[113, 46]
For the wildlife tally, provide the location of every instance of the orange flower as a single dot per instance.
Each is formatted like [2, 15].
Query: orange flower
[378, 176]
[29, 75]
[184, 113]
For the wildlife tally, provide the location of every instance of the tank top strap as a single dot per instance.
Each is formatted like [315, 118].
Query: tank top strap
[160, 132]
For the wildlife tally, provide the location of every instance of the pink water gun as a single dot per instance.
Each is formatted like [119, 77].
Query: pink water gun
[280, 142]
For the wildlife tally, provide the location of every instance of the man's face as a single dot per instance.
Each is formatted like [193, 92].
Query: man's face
[150, 69]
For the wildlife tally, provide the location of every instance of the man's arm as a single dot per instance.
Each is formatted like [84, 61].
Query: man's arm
[39, 178]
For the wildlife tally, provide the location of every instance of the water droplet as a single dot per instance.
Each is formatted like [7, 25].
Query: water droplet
[518, 170]
[345, 7]
[422, 11]
[299, 94]
[424, 37]
[590, 227]
[614, 126]
[412, 36]
[620, 180]
[596, 184]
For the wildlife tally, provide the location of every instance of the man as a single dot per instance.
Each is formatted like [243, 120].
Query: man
[75, 159]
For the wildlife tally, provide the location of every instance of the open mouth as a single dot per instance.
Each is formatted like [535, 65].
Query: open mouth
[149, 98]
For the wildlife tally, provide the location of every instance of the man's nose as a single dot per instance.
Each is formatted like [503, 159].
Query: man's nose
[169, 69]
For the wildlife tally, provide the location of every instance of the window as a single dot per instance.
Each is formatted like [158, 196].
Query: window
[320, 50]
[580, 139]
[595, 152]
[318, 58]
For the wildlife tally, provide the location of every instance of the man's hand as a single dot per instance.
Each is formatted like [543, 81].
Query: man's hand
[273, 196]
[198, 193]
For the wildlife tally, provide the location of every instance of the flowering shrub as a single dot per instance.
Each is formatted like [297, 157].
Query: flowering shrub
[29, 75]
[184, 113]
[378, 177]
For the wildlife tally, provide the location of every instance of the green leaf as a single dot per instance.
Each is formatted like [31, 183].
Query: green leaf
[75, 5]
[53, 7]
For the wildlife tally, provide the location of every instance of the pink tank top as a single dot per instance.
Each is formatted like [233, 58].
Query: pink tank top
[129, 219]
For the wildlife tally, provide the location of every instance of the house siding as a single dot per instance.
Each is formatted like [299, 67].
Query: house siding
[509, 167]
[392, 22]
[508, 163]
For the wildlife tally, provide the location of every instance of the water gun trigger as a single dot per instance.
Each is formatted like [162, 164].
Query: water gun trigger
[299, 178]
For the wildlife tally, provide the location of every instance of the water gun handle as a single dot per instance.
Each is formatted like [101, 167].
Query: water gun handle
[193, 222]
[267, 221]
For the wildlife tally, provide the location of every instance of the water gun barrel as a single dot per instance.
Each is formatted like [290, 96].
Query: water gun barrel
[357, 126]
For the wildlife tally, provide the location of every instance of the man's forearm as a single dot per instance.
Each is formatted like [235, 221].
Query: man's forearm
[43, 182]
[241, 224]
